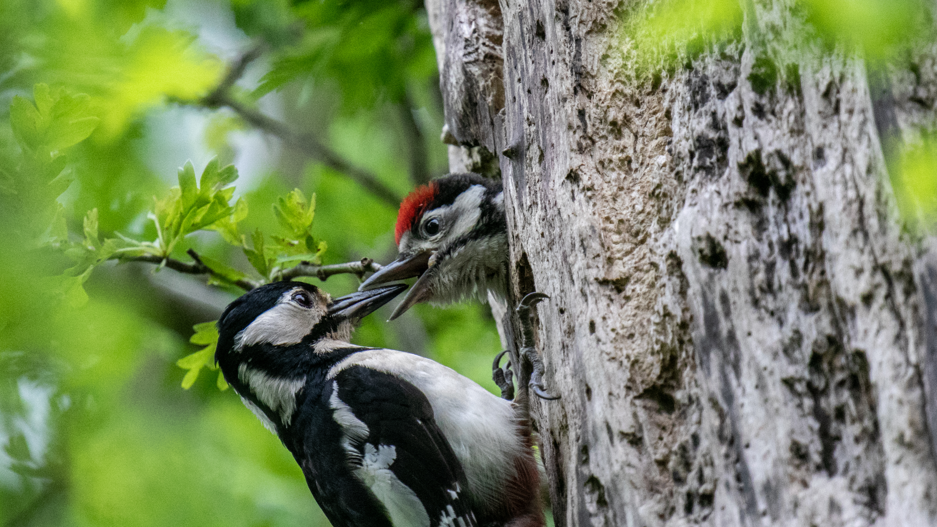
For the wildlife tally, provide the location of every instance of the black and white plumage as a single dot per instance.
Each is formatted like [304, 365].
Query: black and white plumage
[383, 437]
[452, 234]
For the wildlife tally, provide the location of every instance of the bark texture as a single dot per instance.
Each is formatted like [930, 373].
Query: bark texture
[741, 331]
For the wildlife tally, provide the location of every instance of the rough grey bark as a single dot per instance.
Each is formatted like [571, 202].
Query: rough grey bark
[741, 331]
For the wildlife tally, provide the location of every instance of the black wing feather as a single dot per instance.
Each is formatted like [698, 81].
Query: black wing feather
[397, 413]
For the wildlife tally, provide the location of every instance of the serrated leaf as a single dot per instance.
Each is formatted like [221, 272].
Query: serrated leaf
[190, 208]
[295, 213]
[56, 121]
[221, 382]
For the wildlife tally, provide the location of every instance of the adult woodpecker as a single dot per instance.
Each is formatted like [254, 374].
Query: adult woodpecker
[383, 437]
[452, 234]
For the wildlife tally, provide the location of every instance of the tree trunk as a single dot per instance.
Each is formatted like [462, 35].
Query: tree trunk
[740, 330]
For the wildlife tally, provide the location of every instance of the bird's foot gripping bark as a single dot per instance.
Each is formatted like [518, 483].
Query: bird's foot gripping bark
[527, 345]
[503, 377]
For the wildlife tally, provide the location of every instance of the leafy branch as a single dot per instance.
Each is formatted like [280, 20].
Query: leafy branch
[305, 142]
[205, 203]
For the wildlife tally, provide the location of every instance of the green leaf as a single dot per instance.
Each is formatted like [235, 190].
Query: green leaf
[295, 214]
[222, 270]
[228, 226]
[91, 229]
[256, 255]
[190, 207]
[206, 334]
[24, 119]
[195, 360]
[187, 184]
[74, 290]
[56, 121]
[189, 379]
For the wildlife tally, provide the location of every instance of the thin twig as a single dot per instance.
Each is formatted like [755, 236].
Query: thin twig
[323, 272]
[189, 268]
[305, 142]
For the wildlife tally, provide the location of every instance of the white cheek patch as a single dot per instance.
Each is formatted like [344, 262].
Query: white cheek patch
[277, 394]
[282, 325]
[466, 209]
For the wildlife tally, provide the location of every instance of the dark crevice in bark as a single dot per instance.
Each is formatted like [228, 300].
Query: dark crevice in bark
[928, 282]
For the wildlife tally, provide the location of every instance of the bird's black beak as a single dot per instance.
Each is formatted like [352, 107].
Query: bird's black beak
[405, 266]
[419, 292]
[361, 304]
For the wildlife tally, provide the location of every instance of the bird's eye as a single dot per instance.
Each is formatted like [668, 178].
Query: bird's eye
[431, 227]
[303, 299]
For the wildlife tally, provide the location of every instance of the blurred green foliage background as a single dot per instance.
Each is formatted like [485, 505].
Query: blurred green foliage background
[94, 426]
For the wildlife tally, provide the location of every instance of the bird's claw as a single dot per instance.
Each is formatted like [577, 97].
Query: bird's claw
[503, 377]
[536, 376]
[529, 301]
[527, 349]
[540, 392]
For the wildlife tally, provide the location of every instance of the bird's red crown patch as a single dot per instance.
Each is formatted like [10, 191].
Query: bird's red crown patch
[412, 208]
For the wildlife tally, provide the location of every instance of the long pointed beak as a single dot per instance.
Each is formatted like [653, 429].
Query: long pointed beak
[361, 304]
[405, 266]
[420, 291]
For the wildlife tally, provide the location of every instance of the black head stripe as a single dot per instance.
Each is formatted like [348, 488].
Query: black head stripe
[454, 184]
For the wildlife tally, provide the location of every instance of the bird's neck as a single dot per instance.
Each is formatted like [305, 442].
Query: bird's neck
[272, 380]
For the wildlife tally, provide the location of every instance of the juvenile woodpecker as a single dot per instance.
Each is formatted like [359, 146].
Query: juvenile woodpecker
[383, 437]
[452, 233]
